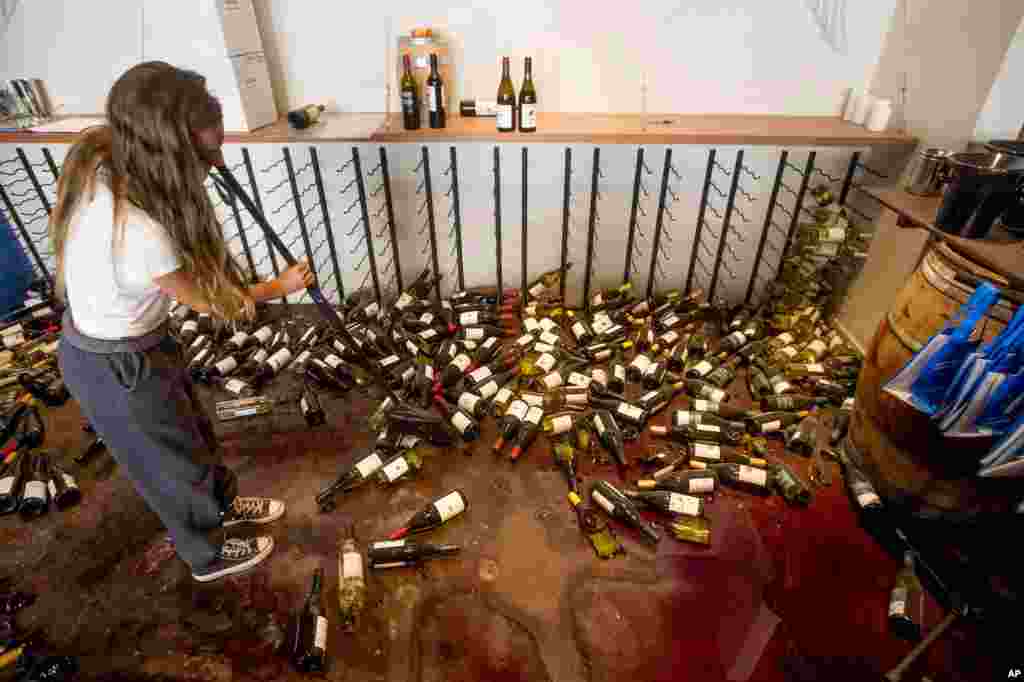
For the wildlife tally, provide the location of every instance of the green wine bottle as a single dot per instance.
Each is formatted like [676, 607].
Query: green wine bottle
[906, 602]
[410, 97]
[528, 100]
[506, 100]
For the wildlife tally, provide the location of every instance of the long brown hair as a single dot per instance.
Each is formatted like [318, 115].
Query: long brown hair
[146, 152]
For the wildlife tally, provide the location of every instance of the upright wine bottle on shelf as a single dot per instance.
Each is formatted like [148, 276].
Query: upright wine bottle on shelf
[435, 95]
[399, 553]
[410, 96]
[434, 515]
[309, 648]
[506, 100]
[528, 100]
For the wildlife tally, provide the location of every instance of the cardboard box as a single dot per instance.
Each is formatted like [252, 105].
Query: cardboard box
[238, 22]
[253, 79]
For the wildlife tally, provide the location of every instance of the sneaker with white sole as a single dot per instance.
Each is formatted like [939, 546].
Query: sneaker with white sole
[237, 555]
[253, 510]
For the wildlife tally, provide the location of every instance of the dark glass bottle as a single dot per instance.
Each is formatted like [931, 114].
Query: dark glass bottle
[506, 121]
[410, 96]
[528, 100]
[434, 515]
[309, 650]
[435, 95]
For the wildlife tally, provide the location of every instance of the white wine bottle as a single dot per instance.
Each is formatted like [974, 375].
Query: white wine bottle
[434, 515]
[506, 120]
[528, 100]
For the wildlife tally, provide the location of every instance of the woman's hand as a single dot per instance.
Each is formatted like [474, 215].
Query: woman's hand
[296, 278]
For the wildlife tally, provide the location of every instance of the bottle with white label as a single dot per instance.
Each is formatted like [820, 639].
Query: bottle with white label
[506, 120]
[528, 100]
[401, 467]
[434, 515]
[668, 501]
[748, 478]
[620, 507]
[401, 553]
[617, 373]
[35, 495]
[528, 430]
[350, 479]
[693, 482]
[773, 422]
[906, 602]
[435, 95]
[64, 490]
[236, 387]
[455, 369]
[509, 422]
[351, 583]
[608, 432]
[11, 476]
[789, 484]
[465, 424]
[309, 647]
[705, 366]
[860, 488]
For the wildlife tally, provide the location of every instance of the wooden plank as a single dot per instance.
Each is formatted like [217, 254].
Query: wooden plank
[1004, 258]
[709, 129]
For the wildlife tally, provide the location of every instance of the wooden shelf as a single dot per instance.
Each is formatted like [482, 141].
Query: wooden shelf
[1004, 258]
[717, 129]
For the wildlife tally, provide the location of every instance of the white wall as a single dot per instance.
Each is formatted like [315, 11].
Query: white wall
[1003, 114]
[695, 56]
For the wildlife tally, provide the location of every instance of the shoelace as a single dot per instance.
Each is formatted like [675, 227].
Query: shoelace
[250, 507]
[237, 548]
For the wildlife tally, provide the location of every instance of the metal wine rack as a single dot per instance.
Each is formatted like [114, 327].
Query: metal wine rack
[636, 206]
[27, 193]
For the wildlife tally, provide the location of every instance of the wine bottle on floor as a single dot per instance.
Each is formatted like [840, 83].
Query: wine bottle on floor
[620, 507]
[435, 95]
[35, 497]
[434, 515]
[668, 501]
[63, 487]
[906, 602]
[527, 431]
[309, 648]
[351, 584]
[506, 121]
[528, 100]
[350, 479]
[400, 553]
[12, 474]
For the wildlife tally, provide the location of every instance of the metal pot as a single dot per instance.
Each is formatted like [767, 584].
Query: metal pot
[1013, 218]
[981, 187]
[929, 173]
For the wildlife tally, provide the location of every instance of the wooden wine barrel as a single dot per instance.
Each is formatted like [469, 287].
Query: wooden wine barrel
[902, 450]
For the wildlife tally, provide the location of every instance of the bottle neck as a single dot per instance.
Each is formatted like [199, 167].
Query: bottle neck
[407, 65]
[528, 69]
[505, 68]
[433, 65]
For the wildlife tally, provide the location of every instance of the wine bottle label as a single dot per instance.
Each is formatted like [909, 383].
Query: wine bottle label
[868, 499]
[461, 422]
[13, 340]
[227, 365]
[451, 505]
[789, 352]
[474, 333]
[613, 330]
[549, 338]
[259, 356]
[737, 338]
[472, 317]
[505, 122]
[670, 321]
[650, 395]
[683, 504]
[427, 334]
[503, 396]
[6, 484]
[389, 360]
[546, 362]
[781, 387]
[602, 355]
[702, 368]
[368, 465]
[561, 424]
[404, 301]
[599, 424]
[707, 451]
[533, 399]
[815, 368]
[263, 334]
[553, 380]
[535, 414]
[898, 602]
[528, 112]
[518, 409]
[683, 418]
[579, 330]
[711, 428]
[752, 475]
[200, 340]
[602, 323]
[300, 362]
[334, 361]
[620, 372]
[834, 234]
[480, 373]
[235, 386]
[462, 361]
[42, 312]
[603, 501]
[468, 401]
[669, 338]
[52, 488]
[848, 404]
[706, 406]
[190, 326]
[537, 289]
[702, 485]
[630, 411]
[542, 347]
[773, 425]
[408, 441]
[320, 639]
[641, 362]
[408, 374]
[279, 359]
[388, 544]
[547, 324]
[304, 404]
[715, 395]
[34, 490]
[351, 565]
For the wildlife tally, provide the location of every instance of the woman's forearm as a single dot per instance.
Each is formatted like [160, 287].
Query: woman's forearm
[265, 291]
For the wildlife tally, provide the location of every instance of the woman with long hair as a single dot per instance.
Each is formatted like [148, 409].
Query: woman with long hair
[133, 227]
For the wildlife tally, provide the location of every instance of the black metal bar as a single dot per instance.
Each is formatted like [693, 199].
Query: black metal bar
[724, 236]
[34, 180]
[591, 225]
[851, 171]
[429, 191]
[232, 201]
[808, 169]
[708, 174]
[254, 187]
[315, 161]
[522, 246]
[659, 221]
[16, 219]
[386, 179]
[298, 214]
[565, 221]
[50, 162]
[632, 214]
[497, 223]
[783, 157]
[367, 232]
[457, 215]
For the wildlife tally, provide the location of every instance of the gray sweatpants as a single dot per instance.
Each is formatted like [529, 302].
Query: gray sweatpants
[140, 399]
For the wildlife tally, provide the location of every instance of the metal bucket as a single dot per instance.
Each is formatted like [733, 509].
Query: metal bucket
[981, 187]
[930, 171]
[1013, 218]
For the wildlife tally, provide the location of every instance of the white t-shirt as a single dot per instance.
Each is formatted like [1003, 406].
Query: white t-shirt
[109, 271]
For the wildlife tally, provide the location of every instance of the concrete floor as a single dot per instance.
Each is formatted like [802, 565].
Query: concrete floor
[525, 600]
